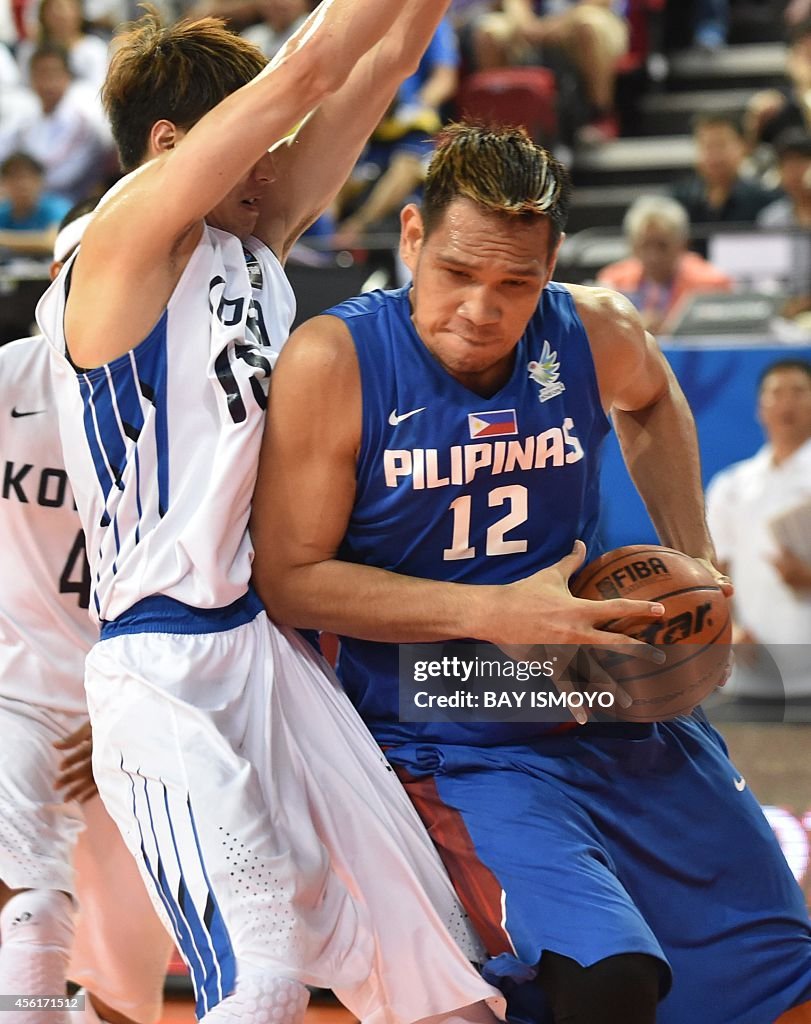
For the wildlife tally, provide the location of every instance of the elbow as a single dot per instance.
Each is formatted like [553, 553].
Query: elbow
[275, 595]
[318, 72]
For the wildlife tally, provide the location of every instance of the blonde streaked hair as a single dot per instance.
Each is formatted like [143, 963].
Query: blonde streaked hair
[500, 169]
[175, 72]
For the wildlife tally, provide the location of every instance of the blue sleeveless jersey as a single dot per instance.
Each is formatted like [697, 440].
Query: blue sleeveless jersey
[452, 486]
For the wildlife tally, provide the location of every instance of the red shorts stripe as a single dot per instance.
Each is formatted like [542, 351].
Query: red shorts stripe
[796, 1015]
[475, 884]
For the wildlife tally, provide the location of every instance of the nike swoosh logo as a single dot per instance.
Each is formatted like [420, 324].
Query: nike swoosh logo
[394, 419]
[18, 415]
[740, 784]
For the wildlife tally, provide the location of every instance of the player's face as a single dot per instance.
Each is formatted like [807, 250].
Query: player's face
[478, 278]
[239, 211]
[784, 406]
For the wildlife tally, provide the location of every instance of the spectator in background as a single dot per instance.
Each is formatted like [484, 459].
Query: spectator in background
[61, 23]
[710, 23]
[772, 602]
[397, 153]
[61, 133]
[592, 35]
[14, 96]
[280, 19]
[793, 210]
[771, 111]
[29, 217]
[661, 273]
[717, 191]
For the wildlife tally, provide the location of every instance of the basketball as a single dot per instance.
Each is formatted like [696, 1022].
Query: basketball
[695, 631]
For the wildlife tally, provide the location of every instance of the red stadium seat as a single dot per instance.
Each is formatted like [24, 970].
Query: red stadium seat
[512, 96]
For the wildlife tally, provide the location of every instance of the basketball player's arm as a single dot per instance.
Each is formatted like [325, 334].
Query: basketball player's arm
[652, 420]
[310, 172]
[302, 507]
[159, 210]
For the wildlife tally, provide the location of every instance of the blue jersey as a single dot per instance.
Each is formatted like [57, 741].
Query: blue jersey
[452, 486]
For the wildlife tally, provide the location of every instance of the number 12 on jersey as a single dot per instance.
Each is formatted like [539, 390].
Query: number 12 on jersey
[515, 498]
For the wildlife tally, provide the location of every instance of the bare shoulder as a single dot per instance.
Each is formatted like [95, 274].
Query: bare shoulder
[626, 357]
[131, 259]
[318, 367]
[603, 308]
[321, 347]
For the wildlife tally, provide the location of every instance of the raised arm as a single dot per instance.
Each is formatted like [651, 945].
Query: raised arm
[302, 506]
[158, 210]
[310, 173]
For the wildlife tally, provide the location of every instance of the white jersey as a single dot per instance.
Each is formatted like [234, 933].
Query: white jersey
[162, 444]
[45, 629]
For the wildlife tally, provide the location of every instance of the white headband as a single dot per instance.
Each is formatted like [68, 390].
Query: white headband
[70, 236]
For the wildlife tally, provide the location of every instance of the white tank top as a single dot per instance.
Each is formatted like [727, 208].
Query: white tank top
[161, 445]
[45, 629]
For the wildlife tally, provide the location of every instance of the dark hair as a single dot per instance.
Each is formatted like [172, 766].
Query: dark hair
[178, 72]
[499, 169]
[784, 364]
[793, 142]
[48, 49]
[710, 120]
[20, 159]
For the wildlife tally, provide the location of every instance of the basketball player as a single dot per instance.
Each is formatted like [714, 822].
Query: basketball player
[263, 818]
[54, 853]
[618, 874]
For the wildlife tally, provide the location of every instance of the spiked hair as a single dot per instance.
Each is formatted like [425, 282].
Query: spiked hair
[500, 169]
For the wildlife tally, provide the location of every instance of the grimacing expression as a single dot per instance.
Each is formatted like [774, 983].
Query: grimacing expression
[478, 277]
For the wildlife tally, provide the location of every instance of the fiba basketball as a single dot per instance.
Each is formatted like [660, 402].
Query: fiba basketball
[695, 631]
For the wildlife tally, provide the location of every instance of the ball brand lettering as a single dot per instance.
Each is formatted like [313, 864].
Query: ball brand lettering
[679, 627]
[632, 572]
[674, 630]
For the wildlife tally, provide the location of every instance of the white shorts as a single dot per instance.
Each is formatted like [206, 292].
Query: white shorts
[121, 950]
[268, 825]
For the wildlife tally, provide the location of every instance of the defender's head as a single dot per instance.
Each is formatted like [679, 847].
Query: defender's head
[171, 76]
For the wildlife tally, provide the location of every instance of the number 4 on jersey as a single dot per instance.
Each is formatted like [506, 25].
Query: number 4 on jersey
[75, 578]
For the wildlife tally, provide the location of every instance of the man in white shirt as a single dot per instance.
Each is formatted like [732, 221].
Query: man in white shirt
[772, 578]
[62, 133]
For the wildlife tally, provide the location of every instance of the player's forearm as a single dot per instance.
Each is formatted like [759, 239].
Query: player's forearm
[339, 32]
[660, 448]
[371, 603]
[403, 47]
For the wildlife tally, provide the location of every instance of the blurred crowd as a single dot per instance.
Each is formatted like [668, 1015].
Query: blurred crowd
[558, 65]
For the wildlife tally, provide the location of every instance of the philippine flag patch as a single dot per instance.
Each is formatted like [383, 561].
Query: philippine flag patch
[502, 423]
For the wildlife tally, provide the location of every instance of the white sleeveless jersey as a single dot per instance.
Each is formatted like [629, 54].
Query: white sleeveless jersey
[162, 444]
[45, 629]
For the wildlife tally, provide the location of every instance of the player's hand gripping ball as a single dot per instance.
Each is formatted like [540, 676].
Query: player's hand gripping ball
[695, 631]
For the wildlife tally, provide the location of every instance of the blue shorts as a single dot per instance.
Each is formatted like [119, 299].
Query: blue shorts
[611, 840]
